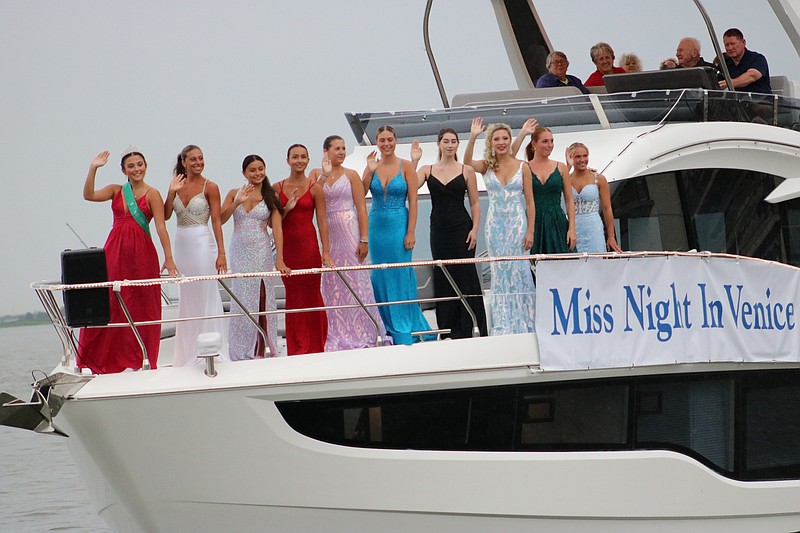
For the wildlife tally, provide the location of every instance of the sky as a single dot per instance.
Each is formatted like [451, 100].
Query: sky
[249, 76]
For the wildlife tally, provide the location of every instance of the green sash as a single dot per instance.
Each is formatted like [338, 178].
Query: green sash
[133, 208]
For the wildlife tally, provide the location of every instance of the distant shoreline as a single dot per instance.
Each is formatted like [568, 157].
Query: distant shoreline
[28, 319]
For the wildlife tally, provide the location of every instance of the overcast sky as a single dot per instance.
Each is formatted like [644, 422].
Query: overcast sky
[240, 77]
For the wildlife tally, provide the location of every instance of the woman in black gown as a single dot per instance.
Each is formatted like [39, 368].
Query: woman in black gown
[454, 235]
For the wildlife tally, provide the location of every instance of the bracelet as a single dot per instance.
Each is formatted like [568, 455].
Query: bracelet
[365, 241]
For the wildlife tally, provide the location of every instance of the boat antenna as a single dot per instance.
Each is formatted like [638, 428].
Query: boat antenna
[722, 65]
[431, 59]
[78, 236]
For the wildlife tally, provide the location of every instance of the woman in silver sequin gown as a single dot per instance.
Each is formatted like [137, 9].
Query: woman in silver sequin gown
[254, 208]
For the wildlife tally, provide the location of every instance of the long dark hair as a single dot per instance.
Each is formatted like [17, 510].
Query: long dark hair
[268, 194]
[129, 154]
[179, 167]
[442, 133]
[292, 147]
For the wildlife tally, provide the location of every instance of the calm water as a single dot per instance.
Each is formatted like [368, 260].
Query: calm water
[40, 488]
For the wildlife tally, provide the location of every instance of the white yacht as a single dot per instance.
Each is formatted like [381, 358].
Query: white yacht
[660, 392]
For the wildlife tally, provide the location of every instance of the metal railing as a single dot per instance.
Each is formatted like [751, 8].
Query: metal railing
[46, 291]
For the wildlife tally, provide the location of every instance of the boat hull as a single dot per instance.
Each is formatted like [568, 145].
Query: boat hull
[225, 459]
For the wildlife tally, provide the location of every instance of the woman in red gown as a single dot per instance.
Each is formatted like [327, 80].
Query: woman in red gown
[130, 254]
[305, 332]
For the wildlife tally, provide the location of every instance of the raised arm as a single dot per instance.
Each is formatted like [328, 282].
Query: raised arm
[212, 195]
[174, 186]
[474, 206]
[527, 128]
[234, 199]
[369, 171]
[572, 238]
[89, 192]
[361, 211]
[530, 206]
[156, 204]
[322, 223]
[410, 175]
[475, 130]
[608, 214]
[416, 153]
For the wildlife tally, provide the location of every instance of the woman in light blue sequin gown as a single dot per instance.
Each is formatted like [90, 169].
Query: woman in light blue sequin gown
[592, 197]
[509, 228]
[254, 208]
[392, 225]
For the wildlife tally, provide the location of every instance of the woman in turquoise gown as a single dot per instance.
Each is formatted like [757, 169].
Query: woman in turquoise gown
[393, 182]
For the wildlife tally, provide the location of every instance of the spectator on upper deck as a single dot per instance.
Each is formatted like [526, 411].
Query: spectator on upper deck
[688, 54]
[603, 57]
[668, 63]
[557, 76]
[631, 63]
[749, 70]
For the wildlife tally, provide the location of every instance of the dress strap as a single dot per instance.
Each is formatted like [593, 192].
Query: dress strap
[595, 178]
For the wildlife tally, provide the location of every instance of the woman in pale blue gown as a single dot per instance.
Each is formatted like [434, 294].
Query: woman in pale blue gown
[254, 208]
[509, 228]
[591, 195]
[392, 225]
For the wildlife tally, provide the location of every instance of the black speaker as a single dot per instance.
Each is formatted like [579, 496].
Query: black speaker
[85, 307]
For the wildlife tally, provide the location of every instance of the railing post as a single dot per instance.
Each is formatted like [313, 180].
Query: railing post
[118, 294]
[476, 332]
[264, 335]
[378, 338]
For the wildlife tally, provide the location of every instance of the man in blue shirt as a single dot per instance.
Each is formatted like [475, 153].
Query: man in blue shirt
[749, 70]
[557, 76]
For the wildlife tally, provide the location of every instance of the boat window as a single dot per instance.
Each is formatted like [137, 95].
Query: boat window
[587, 417]
[716, 210]
[743, 425]
[771, 441]
[695, 416]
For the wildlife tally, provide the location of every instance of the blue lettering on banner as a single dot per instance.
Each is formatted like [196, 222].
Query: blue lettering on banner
[593, 318]
[578, 314]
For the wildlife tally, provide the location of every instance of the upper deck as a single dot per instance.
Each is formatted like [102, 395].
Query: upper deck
[564, 113]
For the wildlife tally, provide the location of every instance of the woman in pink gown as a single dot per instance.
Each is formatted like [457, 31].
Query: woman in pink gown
[347, 227]
[130, 254]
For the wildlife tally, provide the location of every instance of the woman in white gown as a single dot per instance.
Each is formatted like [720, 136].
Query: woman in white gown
[197, 252]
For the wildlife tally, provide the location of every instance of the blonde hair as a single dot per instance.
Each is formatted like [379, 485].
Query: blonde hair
[574, 146]
[624, 58]
[488, 150]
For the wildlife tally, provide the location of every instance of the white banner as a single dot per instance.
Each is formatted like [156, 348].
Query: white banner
[633, 311]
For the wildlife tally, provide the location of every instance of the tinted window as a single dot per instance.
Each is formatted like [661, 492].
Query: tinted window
[743, 425]
[716, 210]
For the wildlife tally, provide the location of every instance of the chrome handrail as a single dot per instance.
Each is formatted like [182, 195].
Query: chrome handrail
[46, 293]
